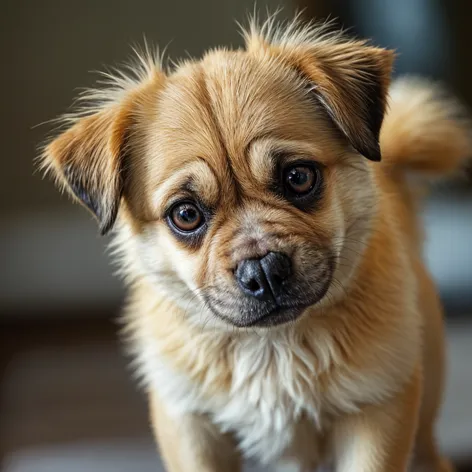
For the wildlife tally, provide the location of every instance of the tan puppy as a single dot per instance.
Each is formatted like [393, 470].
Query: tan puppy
[279, 307]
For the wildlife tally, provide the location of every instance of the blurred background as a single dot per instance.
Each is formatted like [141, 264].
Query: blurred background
[67, 399]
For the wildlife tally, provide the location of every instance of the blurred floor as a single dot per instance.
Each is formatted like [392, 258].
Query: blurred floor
[68, 404]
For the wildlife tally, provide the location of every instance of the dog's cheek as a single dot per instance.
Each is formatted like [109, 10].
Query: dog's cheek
[355, 198]
[159, 258]
[355, 187]
[337, 218]
[327, 224]
[182, 262]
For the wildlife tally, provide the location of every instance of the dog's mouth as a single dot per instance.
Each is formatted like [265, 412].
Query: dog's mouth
[277, 316]
[268, 315]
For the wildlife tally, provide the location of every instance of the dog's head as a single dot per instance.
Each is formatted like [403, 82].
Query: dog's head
[242, 179]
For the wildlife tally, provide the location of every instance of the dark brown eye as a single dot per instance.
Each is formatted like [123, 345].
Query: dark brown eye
[186, 217]
[300, 179]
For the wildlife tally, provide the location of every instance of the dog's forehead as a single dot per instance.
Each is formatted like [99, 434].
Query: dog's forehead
[214, 108]
[249, 96]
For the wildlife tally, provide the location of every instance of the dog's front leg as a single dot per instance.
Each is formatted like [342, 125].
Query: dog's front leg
[190, 442]
[381, 437]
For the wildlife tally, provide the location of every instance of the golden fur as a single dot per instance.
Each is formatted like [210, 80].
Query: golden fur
[356, 381]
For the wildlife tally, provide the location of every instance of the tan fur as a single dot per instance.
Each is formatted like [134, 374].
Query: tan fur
[357, 380]
[419, 141]
[201, 445]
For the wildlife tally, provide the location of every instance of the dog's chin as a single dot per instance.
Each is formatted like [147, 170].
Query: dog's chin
[276, 315]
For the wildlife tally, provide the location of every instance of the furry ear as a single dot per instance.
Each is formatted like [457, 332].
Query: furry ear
[88, 158]
[349, 78]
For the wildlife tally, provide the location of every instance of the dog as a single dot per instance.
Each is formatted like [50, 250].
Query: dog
[265, 211]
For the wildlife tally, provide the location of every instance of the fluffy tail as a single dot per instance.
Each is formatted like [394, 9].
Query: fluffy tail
[425, 130]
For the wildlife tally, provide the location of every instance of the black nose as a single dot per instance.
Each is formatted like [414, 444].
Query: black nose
[263, 278]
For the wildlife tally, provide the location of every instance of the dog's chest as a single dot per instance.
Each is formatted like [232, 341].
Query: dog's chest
[273, 388]
[263, 389]
[264, 411]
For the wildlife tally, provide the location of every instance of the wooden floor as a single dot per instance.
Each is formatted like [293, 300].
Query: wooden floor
[68, 404]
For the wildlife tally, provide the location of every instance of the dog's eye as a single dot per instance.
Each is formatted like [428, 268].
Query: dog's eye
[299, 180]
[186, 217]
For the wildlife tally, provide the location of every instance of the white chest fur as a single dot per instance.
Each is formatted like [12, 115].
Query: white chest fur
[274, 382]
[262, 406]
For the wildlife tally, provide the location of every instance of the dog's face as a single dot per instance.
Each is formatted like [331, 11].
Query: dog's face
[239, 177]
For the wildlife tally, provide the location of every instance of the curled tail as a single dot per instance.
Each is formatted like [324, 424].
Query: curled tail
[425, 130]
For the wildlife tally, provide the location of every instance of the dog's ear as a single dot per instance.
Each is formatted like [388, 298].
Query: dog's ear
[88, 158]
[349, 77]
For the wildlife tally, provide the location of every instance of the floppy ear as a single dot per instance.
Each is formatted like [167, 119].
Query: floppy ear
[349, 78]
[88, 158]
